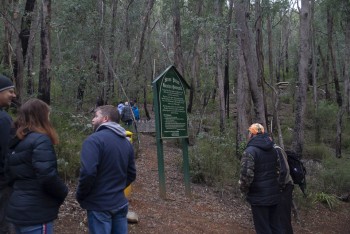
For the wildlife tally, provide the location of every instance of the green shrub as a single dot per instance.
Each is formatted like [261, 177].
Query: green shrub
[327, 199]
[335, 175]
[72, 130]
[316, 151]
[213, 160]
[326, 115]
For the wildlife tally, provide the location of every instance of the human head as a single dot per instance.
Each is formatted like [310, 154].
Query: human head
[256, 129]
[103, 114]
[7, 91]
[33, 116]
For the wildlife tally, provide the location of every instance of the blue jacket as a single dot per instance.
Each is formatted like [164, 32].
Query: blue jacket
[136, 112]
[260, 172]
[38, 191]
[5, 136]
[107, 168]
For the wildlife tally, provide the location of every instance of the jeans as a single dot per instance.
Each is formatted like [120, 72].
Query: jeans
[45, 228]
[108, 222]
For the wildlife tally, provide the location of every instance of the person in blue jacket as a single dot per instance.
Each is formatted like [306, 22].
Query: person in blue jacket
[107, 168]
[38, 191]
[7, 95]
[136, 111]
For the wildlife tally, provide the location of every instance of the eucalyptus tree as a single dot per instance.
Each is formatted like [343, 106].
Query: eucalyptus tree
[196, 8]
[243, 14]
[220, 62]
[304, 56]
[44, 89]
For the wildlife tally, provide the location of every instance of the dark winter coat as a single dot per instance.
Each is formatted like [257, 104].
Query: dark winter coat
[126, 113]
[5, 136]
[107, 168]
[38, 191]
[260, 172]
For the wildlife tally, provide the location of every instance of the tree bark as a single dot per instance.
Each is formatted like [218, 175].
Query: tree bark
[45, 60]
[227, 59]
[314, 74]
[332, 57]
[250, 58]
[345, 104]
[146, 17]
[220, 65]
[195, 60]
[178, 57]
[243, 104]
[298, 133]
[110, 74]
[7, 38]
[101, 99]
[30, 56]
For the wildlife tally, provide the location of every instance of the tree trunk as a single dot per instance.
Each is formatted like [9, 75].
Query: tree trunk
[314, 74]
[110, 74]
[347, 66]
[345, 104]
[101, 99]
[227, 60]
[18, 70]
[220, 66]
[45, 60]
[325, 74]
[250, 58]
[146, 17]
[6, 51]
[298, 133]
[243, 104]
[178, 57]
[195, 60]
[259, 53]
[30, 56]
[332, 57]
[127, 25]
[26, 26]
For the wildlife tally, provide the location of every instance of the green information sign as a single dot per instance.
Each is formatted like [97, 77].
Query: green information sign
[173, 121]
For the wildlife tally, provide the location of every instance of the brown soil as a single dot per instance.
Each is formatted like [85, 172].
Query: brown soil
[207, 211]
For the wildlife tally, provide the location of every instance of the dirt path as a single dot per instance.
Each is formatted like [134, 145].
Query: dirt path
[207, 211]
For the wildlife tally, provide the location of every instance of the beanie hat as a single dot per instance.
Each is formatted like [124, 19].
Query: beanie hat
[5, 83]
[256, 128]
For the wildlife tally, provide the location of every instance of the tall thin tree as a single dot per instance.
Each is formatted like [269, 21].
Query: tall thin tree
[304, 56]
[45, 60]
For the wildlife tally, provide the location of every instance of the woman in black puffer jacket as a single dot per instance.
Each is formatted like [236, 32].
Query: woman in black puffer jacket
[38, 191]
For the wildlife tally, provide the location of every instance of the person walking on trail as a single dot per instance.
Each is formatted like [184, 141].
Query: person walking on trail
[107, 168]
[7, 95]
[120, 107]
[127, 115]
[259, 180]
[286, 203]
[38, 191]
[135, 111]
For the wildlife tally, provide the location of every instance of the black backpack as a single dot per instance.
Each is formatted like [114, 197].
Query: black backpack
[297, 170]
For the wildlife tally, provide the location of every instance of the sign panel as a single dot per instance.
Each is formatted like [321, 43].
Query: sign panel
[173, 115]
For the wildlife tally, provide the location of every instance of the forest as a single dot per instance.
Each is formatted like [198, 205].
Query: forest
[282, 63]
